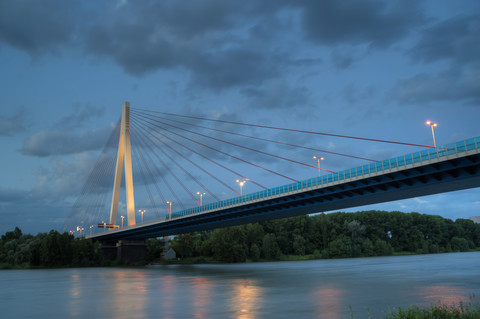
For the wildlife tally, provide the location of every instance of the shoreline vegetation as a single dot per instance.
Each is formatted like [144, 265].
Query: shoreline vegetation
[461, 310]
[320, 236]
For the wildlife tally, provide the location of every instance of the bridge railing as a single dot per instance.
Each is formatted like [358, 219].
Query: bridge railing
[380, 166]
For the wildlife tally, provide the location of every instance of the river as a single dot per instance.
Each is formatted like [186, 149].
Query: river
[341, 288]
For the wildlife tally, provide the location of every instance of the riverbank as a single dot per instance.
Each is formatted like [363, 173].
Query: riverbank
[462, 310]
[211, 260]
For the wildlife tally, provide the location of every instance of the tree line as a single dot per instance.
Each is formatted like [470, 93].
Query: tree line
[334, 235]
[54, 249]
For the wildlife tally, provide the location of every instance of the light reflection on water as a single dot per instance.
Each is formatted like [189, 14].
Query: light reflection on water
[202, 291]
[128, 292]
[310, 289]
[329, 302]
[443, 294]
[246, 299]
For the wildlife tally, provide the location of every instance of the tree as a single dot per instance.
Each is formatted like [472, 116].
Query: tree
[340, 247]
[368, 248]
[299, 245]
[381, 248]
[356, 231]
[459, 244]
[270, 247]
[254, 252]
[228, 244]
[183, 245]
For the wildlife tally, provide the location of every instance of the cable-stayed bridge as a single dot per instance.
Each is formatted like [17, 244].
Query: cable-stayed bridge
[163, 142]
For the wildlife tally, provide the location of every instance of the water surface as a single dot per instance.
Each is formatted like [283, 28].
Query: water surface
[302, 289]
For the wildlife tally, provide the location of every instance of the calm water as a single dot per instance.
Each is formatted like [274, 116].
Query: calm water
[305, 289]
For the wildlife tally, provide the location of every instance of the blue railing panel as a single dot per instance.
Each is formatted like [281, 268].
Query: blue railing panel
[450, 149]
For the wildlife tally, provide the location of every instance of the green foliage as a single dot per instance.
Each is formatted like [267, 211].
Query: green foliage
[254, 252]
[438, 311]
[334, 235]
[47, 250]
[340, 247]
[368, 248]
[270, 247]
[299, 245]
[228, 244]
[155, 248]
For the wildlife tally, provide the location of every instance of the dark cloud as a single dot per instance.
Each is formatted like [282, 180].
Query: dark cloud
[66, 178]
[79, 116]
[371, 22]
[10, 196]
[343, 60]
[37, 26]
[200, 38]
[277, 94]
[53, 143]
[456, 39]
[352, 94]
[459, 85]
[10, 125]
[234, 67]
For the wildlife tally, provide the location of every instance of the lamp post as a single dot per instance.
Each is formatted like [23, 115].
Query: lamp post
[122, 220]
[432, 125]
[241, 183]
[318, 162]
[91, 226]
[141, 211]
[170, 212]
[201, 195]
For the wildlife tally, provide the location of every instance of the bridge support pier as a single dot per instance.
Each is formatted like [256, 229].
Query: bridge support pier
[131, 250]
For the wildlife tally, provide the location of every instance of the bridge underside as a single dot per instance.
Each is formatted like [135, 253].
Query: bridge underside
[437, 177]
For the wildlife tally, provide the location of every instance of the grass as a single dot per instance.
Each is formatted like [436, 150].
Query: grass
[468, 310]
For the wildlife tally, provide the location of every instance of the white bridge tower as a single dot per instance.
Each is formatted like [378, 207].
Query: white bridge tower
[124, 155]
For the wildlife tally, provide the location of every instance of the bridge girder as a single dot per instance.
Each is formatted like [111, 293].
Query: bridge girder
[437, 177]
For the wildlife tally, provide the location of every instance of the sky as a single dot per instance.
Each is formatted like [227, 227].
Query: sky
[371, 68]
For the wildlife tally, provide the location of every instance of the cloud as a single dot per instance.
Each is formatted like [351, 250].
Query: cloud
[456, 39]
[352, 94]
[371, 22]
[13, 124]
[343, 60]
[277, 94]
[460, 85]
[37, 26]
[43, 143]
[201, 38]
[66, 178]
[10, 196]
[79, 116]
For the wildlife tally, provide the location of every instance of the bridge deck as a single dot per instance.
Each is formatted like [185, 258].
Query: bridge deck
[453, 167]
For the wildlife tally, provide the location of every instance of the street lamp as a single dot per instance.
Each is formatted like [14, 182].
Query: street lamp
[432, 125]
[170, 217]
[122, 220]
[318, 162]
[241, 183]
[141, 211]
[91, 226]
[201, 195]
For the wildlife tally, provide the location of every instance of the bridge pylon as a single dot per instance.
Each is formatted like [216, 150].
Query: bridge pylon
[124, 156]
